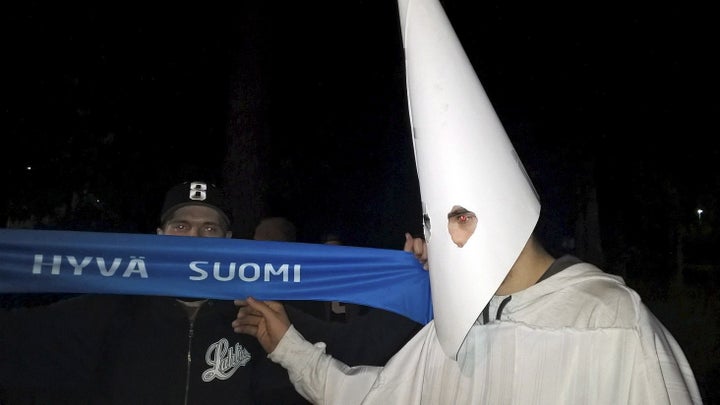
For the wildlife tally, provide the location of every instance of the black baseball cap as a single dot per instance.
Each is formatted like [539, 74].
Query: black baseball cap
[195, 193]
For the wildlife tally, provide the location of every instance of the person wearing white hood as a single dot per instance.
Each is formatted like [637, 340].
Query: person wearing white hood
[512, 324]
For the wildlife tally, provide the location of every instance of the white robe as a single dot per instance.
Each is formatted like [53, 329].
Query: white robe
[579, 337]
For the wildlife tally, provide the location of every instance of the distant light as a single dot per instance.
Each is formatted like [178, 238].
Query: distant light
[28, 168]
[699, 214]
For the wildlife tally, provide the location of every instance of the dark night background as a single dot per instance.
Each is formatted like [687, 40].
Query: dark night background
[300, 110]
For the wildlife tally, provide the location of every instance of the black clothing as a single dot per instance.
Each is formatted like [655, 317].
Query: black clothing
[370, 338]
[116, 349]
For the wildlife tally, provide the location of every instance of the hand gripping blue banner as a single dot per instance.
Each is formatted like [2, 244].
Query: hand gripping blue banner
[34, 261]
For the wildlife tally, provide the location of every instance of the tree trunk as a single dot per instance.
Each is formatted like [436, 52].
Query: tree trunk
[248, 129]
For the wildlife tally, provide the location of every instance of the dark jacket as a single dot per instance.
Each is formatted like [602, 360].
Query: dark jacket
[370, 337]
[111, 349]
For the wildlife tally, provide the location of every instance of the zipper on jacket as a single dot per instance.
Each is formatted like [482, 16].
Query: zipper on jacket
[192, 308]
[189, 360]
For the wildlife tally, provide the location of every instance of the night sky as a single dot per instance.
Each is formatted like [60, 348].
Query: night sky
[116, 103]
[134, 96]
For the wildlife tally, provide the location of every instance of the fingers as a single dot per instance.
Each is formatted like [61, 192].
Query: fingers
[247, 318]
[414, 245]
[246, 323]
[245, 329]
[417, 247]
[252, 312]
[260, 307]
[251, 306]
[265, 320]
[408, 247]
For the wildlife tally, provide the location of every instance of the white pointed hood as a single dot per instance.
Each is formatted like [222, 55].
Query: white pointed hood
[464, 158]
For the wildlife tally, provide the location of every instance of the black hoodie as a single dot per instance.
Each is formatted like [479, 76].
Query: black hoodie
[116, 349]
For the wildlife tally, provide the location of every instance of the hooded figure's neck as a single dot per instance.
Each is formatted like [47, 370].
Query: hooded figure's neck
[533, 261]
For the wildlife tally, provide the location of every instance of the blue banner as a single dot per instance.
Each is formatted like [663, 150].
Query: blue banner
[34, 261]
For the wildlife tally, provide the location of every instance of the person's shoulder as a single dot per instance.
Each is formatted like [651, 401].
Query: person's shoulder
[580, 296]
[81, 301]
[594, 281]
[604, 298]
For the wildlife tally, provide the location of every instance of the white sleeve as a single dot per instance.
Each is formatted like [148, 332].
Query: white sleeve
[319, 377]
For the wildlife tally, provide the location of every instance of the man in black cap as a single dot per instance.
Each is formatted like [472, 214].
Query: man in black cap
[120, 349]
[195, 208]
